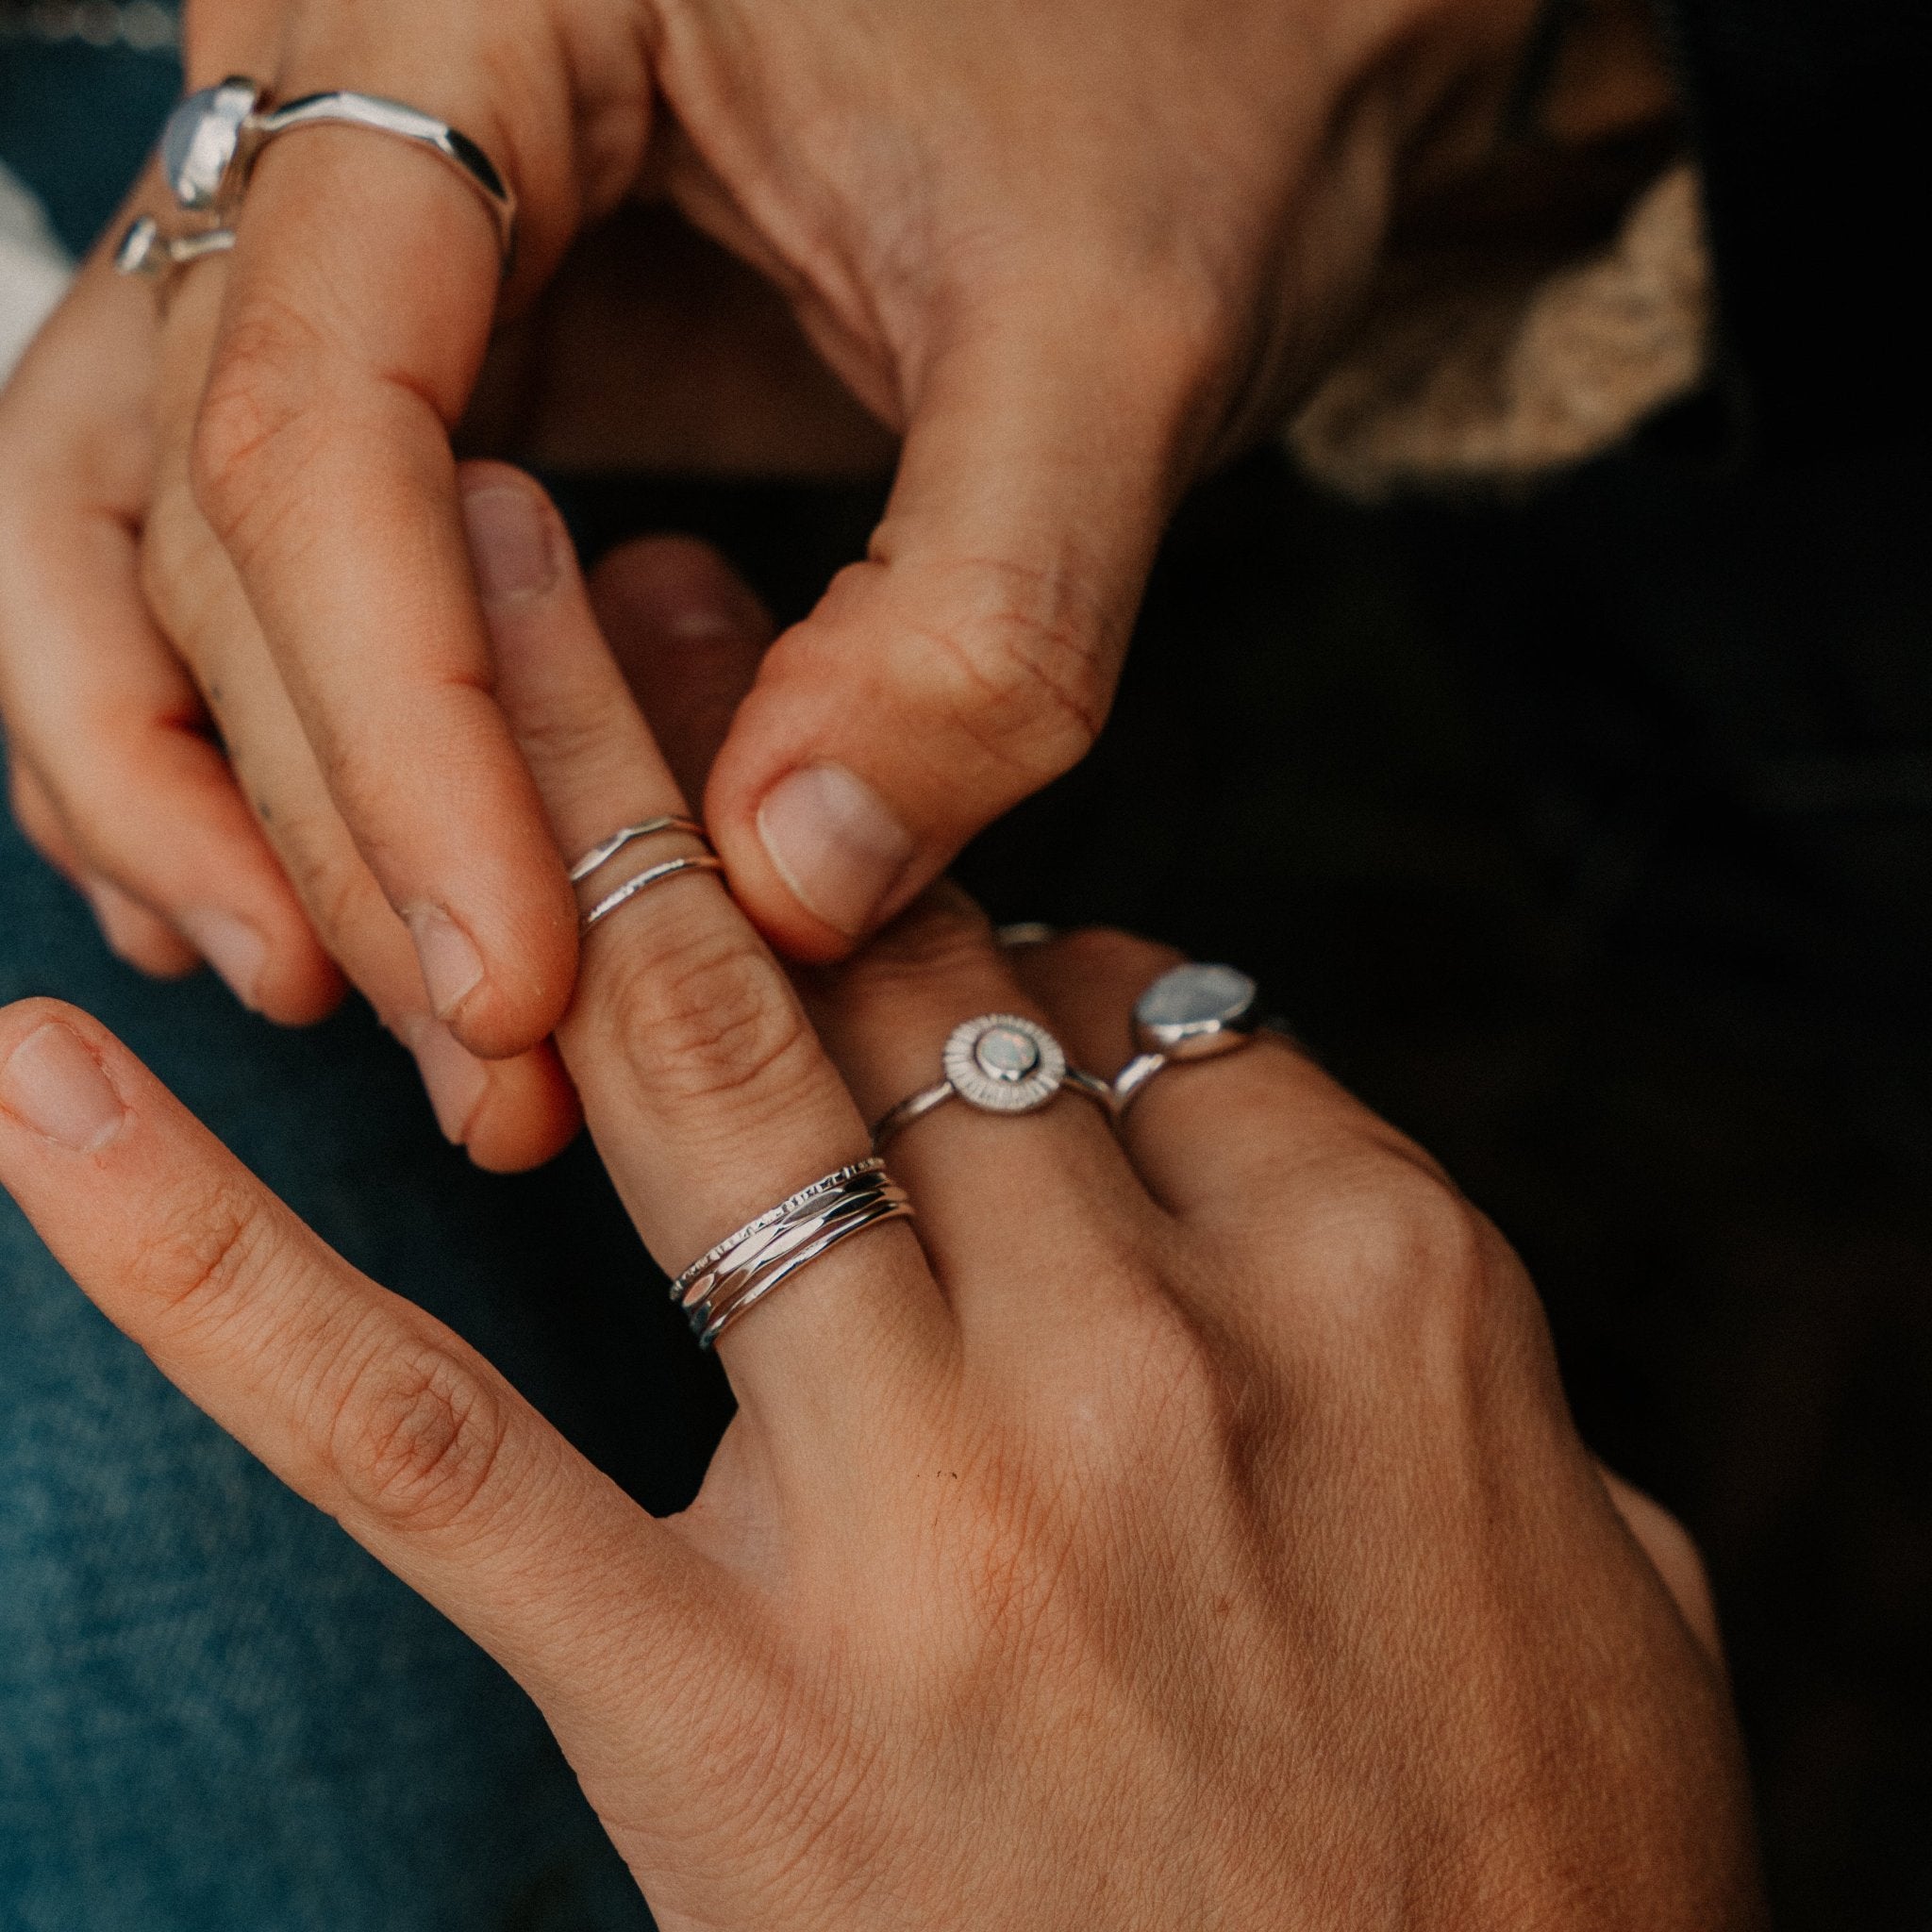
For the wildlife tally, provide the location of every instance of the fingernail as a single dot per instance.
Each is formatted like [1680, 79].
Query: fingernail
[111, 908]
[456, 1080]
[452, 966]
[835, 843]
[56, 1086]
[512, 543]
[231, 946]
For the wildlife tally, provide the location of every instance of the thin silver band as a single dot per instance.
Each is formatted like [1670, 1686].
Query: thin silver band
[602, 853]
[916, 1106]
[1134, 1078]
[728, 1280]
[651, 875]
[1135, 1075]
[145, 249]
[749, 1288]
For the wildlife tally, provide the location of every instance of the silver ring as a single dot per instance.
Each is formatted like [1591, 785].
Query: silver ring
[727, 1281]
[1019, 933]
[601, 854]
[145, 250]
[1193, 1012]
[214, 137]
[999, 1063]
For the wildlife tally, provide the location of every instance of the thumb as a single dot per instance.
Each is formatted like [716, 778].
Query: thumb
[972, 656]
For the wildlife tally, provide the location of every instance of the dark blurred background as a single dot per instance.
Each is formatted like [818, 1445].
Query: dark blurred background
[1589, 837]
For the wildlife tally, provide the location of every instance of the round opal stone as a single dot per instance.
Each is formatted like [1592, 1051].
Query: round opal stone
[1005, 1053]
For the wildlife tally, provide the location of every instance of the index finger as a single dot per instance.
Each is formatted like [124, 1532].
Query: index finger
[355, 1397]
[358, 307]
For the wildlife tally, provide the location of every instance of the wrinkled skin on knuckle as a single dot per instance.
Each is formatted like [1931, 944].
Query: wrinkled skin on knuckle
[941, 936]
[204, 1249]
[1018, 665]
[260, 416]
[702, 1013]
[414, 1436]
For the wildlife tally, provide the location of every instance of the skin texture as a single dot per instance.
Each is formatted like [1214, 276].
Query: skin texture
[1182, 1527]
[1061, 255]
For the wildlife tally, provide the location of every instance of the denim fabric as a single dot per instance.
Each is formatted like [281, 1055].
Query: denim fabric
[215, 1710]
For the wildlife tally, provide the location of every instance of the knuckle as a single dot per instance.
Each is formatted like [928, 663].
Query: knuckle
[1101, 955]
[704, 1015]
[1406, 1257]
[416, 1436]
[204, 1250]
[1019, 670]
[257, 416]
[944, 935]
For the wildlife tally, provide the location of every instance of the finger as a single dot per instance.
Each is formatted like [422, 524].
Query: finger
[701, 1078]
[972, 656]
[39, 823]
[135, 934]
[354, 1397]
[688, 635]
[98, 705]
[1056, 1175]
[321, 458]
[1674, 1556]
[1215, 1140]
[508, 1114]
[132, 932]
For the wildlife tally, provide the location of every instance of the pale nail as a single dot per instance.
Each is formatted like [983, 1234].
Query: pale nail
[114, 913]
[231, 946]
[835, 843]
[455, 1080]
[512, 545]
[452, 966]
[54, 1086]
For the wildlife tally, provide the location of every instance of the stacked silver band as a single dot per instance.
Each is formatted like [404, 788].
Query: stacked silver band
[213, 139]
[729, 1281]
[600, 856]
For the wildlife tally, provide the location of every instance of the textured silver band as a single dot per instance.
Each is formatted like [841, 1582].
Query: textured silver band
[997, 1064]
[728, 1280]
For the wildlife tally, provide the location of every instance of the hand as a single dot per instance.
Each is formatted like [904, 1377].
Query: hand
[1185, 1529]
[651, 349]
[1067, 252]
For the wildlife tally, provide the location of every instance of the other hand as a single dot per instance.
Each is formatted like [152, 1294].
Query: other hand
[1067, 253]
[1186, 1527]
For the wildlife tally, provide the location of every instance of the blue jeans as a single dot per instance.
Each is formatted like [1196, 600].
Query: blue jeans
[215, 1710]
